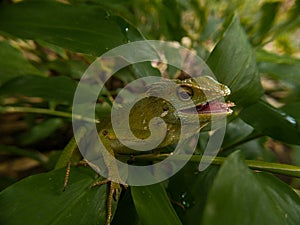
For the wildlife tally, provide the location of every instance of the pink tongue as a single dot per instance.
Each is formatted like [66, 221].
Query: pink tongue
[214, 106]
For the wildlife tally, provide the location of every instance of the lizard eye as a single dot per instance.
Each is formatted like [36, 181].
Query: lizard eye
[185, 93]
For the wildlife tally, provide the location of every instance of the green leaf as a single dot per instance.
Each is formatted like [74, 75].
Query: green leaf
[280, 67]
[81, 28]
[189, 189]
[118, 7]
[292, 109]
[283, 68]
[72, 68]
[41, 131]
[15, 151]
[242, 136]
[126, 212]
[240, 196]
[233, 62]
[40, 199]
[144, 69]
[290, 23]
[153, 205]
[269, 11]
[236, 131]
[270, 57]
[169, 18]
[5, 182]
[60, 89]
[272, 122]
[13, 63]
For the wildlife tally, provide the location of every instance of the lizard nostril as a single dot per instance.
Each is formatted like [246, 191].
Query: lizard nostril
[165, 108]
[104, 132]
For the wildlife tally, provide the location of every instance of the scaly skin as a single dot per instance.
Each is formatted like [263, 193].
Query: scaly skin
[201, 91]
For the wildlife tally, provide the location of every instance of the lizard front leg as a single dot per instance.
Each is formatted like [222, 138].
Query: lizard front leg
[114, 187]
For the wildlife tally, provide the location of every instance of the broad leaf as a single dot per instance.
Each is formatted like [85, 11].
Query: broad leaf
[40, 199]
[233, 63]
[153, 205]
[292, 109]
[189, 189]
[119, 7]
[240, 196]
[236, 130]
[240, 135]
[272, 122]
[81, 28]
[126, 212]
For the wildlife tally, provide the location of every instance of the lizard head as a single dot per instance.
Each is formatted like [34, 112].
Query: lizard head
[202, 96]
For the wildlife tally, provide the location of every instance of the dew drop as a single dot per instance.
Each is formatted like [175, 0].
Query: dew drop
[187, 199]
[107, 15]
[291, 120]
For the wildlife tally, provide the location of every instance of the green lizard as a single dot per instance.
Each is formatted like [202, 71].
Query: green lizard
[204, 92]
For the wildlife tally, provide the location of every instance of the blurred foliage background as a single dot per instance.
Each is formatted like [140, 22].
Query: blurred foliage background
[45, 47]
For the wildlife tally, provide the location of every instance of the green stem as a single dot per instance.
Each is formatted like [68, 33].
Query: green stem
[278, 168]
[13, 109]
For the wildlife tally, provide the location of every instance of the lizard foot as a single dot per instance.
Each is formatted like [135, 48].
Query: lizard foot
[68, 170]
[67, 176]
[113, 194]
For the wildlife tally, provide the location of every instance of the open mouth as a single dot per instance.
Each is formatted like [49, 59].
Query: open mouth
[212, 107]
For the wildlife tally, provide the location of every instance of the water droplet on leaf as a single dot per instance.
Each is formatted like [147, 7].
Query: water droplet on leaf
[291, 120]
[187, 199]
[107, 15]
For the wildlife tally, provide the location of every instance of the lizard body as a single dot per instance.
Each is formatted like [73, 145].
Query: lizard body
[200, 97]
[204, 93]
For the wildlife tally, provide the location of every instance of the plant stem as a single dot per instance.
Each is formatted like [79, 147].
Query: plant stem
[13, 109]
[278, 168]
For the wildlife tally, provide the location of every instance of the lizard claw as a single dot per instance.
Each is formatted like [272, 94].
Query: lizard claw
[113, 194]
